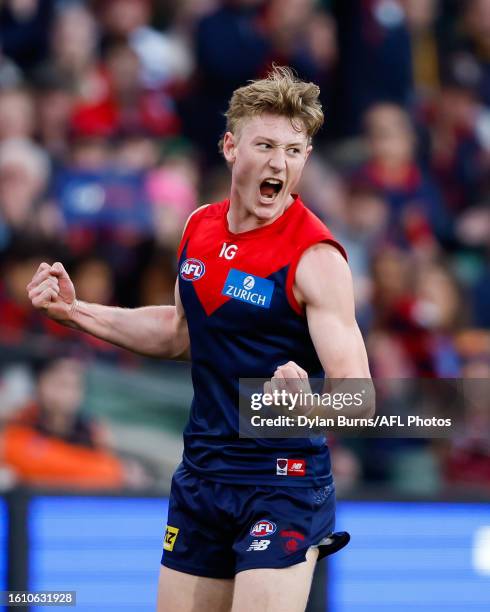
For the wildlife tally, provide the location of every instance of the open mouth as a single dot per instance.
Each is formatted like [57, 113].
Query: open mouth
[269, 188]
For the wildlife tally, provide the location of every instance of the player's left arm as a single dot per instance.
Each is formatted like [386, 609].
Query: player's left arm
[323, 286]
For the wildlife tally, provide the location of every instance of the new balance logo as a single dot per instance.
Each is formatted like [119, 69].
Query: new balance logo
[290, 467]
[259, 545]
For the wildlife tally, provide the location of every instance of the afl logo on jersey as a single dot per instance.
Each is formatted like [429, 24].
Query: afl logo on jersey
[192, 270]
[263, 528]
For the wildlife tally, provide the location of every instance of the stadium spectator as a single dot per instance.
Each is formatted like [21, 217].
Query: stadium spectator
[51, 443]
[458, 159]
[96, 193]
[16, 114]
[240, 56]
[375, 60]
[417, 311]
[474, 43]
[158, 280]
[88, 153]
[396, 319]
[465, 461]
[252, 36]
[74, 54]
[416, 214]
[54, 98]
[133, 108]
[24, 175]
[173, 190]
[23, 330]
[25, 26]
[324, 187]
[421, 17]
[163, 57]
[19, 325]
[364, 233]
[10, 74]
[481, 297]
[438, 308]
[95, 280]
[136, 153]
[303, 37]
[74, 44]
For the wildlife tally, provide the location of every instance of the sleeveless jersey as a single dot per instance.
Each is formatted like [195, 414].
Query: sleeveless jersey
[244, 322]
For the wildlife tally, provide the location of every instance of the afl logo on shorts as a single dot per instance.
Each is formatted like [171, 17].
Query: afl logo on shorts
[192, 270]
[263, 528]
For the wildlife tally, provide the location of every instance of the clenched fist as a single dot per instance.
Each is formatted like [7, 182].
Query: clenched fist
[52, 292]
[290, 383]
[290, 378]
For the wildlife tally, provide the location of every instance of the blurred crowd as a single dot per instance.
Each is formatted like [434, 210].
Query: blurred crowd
[110, 114]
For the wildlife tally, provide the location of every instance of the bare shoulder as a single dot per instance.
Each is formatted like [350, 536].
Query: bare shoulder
[322, 272]
[321, 256]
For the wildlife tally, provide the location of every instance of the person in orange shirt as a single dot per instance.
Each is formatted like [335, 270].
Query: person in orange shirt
[50, 443]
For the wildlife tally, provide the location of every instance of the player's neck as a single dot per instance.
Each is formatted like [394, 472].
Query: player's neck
[240, 219]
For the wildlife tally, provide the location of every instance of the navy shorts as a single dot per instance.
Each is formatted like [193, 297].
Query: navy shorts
[217, 530]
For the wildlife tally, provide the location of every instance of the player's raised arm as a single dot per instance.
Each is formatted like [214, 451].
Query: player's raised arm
[323, 284]
[156, 331]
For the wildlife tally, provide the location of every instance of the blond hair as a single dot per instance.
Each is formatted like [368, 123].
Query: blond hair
[280, 93]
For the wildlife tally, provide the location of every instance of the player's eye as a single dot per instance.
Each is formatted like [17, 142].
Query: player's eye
[264, 145]
[294, 150]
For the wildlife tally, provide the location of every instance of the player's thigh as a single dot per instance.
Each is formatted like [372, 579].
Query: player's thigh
[275, 590]
[181, 592]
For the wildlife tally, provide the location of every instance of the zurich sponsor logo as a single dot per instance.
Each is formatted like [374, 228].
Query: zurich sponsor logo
[248, 288]
[263, 528]
[192, 270]
[249, 282]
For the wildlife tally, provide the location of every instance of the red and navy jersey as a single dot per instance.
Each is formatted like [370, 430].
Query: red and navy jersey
[244, 322]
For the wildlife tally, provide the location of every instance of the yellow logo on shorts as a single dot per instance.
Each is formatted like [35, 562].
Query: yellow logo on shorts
[171, 534]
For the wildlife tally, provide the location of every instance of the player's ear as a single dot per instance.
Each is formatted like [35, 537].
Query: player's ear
[229, 147]
[309, 149]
